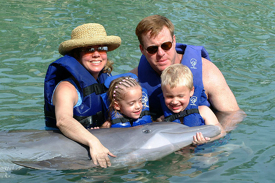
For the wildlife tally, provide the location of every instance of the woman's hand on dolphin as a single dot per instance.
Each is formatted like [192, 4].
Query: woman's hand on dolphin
[99, 155]
[198, 139]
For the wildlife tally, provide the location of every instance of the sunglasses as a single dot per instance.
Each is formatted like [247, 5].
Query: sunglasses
[165, 46]
[92, 50]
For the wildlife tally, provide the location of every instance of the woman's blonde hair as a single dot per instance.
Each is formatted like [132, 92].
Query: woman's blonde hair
[108, 67]
[177, 75]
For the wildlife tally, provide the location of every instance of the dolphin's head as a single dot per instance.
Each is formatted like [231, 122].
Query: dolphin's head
[174, 134]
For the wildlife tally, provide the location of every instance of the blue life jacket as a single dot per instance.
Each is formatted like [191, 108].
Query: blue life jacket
[91, 112]
[119, 120]
[150, 79]
[191, 116]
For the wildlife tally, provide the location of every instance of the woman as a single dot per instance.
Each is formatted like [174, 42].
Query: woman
[73, 85]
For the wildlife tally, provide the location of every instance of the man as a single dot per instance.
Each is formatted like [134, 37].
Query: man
[159, 49]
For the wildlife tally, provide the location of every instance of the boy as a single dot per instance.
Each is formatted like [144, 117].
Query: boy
[178, 104]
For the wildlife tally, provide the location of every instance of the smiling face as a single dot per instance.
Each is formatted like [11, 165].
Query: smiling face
[94, 61]
[131, 104]
[162, 58]
[177, 98]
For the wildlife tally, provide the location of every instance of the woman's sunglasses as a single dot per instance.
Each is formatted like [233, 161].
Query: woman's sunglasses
[165, 46]
[92, 49]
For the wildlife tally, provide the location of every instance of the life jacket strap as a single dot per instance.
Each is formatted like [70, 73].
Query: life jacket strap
[126, 119]
[95, 120]
[181, 114]
[97, 88]
[87, 122]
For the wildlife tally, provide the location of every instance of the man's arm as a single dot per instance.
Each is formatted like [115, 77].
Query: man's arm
[221, 97]
[229, 120]
[218, 92]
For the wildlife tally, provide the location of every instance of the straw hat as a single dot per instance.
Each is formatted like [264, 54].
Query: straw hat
[90, 34]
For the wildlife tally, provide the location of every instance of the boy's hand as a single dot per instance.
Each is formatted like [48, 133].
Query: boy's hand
[198, 139]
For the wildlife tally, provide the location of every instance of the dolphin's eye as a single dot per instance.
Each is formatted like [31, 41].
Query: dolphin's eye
[146, 131]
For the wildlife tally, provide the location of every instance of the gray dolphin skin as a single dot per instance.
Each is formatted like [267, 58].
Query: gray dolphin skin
[50, 150]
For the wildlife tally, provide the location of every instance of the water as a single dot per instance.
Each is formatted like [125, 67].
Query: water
[238, 34]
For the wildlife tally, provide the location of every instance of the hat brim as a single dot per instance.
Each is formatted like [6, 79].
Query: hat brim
[113, 42]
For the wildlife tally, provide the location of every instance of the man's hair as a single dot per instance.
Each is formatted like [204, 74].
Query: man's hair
[153, 24]
[177, 75]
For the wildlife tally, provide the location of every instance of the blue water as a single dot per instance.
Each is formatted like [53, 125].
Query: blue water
[239, 35]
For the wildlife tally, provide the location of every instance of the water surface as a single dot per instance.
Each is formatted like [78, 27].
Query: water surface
[239, 35]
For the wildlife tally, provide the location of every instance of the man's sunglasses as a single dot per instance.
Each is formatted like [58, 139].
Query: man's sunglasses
[165, 46]
[92, 50]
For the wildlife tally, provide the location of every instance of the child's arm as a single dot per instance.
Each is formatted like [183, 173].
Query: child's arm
[160, 119]
[106, 124]
[210, 119]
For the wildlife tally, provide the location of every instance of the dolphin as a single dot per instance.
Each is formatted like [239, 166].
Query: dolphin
[51, 150]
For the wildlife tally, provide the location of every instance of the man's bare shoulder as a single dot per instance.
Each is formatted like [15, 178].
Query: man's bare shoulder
[211, 73]
[216, 88]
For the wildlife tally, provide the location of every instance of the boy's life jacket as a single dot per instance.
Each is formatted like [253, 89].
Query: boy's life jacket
[191, 116]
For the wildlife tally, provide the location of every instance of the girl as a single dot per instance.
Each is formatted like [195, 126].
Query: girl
[127, 102]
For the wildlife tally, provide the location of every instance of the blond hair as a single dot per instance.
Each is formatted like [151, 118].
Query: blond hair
[177, 75]
[153, 24]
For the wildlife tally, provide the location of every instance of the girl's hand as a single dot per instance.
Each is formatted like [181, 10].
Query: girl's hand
[106, 124]
[160, 119]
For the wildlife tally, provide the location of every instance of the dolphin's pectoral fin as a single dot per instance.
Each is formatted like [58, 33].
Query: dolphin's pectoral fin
[57, 163]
